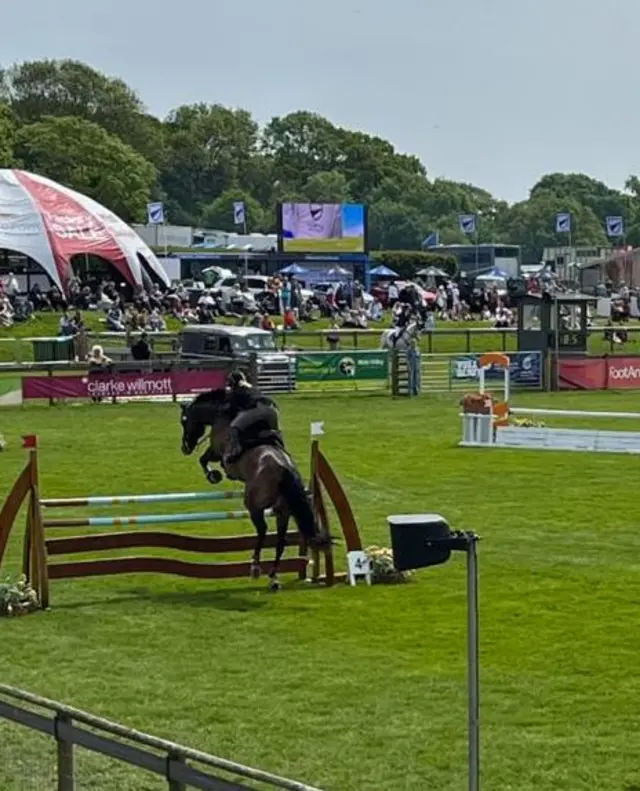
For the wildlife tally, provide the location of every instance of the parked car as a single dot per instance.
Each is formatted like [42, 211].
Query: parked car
[275, 369]
[212, 340]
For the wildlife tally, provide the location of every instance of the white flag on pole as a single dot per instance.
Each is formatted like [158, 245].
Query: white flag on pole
[239, 215]
[317, 429]
[615, 226]
[155, 213]
[467, 223]
[563, 222]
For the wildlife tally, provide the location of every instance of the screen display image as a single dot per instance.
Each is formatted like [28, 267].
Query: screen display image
[323, 228]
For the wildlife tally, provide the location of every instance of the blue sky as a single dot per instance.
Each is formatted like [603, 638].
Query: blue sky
[495, 92]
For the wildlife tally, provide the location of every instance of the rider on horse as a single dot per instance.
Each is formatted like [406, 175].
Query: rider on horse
[248, 408]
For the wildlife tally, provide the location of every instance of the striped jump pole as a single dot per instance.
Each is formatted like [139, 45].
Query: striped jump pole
[130, 499]
[148, 519]
[572, 413]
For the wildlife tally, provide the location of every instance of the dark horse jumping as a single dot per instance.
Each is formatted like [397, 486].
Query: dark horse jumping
[270, 477]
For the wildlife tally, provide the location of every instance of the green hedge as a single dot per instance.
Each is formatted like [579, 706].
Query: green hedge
[407, 262]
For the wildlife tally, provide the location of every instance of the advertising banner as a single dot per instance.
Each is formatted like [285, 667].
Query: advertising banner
[122, 385]
[599, 373]
[333, 366]
[525, 368]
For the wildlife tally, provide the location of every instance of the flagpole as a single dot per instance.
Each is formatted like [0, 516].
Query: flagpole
[164, 238]
[246, 255]
[477, 248]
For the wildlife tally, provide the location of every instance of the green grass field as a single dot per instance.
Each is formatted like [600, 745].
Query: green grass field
[354, 688]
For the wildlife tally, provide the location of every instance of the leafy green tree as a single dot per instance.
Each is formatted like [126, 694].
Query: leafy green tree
[394, 226]
[218, 215]
[65, 88]
[531, 224]
[596, 195]
[327, 187]
[8, 128]
[82, 155]
[210, 149]
[300, 145]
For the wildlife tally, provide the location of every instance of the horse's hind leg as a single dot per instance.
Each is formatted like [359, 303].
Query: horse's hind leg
[260, 524]
[282, 523]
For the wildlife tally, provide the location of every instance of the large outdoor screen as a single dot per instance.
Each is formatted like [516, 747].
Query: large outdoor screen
[322, 228]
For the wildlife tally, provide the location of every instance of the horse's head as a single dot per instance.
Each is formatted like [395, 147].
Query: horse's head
[203, 411]
[192, 428]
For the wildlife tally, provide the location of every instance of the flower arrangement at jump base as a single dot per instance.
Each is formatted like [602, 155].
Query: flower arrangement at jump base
[477, 403]
[382, 568]
[17, 598]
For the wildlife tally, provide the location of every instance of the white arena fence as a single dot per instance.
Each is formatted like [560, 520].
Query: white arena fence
[459, 373]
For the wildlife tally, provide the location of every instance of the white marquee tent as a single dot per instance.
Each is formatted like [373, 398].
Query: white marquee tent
[51, 223]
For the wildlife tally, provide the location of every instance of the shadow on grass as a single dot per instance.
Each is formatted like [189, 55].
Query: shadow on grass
[242, 599]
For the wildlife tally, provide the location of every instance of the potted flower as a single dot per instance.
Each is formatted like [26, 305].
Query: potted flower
[17, 598]
[382, 567]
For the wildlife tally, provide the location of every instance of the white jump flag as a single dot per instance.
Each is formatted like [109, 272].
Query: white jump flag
[317, 429]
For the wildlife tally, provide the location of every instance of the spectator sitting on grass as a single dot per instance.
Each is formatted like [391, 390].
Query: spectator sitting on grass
[267, 323]
[66, 326]
[355, 318]
[56, 300]
[115, 319]
[156, 323]
[290, 322]
[375, 310]
[189, 316]
[22, 309]
[39, 300]
[6, 312]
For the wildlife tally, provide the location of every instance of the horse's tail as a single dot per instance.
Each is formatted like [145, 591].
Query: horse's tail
[295, 495]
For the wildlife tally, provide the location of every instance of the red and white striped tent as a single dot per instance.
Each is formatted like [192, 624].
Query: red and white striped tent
[51, 224]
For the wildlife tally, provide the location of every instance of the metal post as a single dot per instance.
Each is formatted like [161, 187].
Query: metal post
[175, 785]
[556, 305]
[246, 255]
[66, 761]
[473, 664]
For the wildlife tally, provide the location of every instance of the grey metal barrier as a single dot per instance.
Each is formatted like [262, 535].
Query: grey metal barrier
[72, 727]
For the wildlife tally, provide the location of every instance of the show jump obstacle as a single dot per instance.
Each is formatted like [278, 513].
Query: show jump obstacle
[40, 547]
[485, 423]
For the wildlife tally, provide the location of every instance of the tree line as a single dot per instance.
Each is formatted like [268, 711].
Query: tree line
[92, 132]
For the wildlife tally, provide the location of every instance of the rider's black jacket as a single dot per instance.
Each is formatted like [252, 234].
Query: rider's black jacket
[243, 398]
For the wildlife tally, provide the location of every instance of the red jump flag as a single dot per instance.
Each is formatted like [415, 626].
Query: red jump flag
[30, 441]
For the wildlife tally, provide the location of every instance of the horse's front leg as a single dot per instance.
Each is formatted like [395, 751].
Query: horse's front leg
[213, 476]
[260, 524]
[282, 523]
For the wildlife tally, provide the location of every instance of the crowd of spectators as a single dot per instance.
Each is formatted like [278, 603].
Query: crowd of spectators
[346, 304]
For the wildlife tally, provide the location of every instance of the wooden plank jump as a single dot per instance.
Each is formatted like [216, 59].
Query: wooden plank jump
[40, 547]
